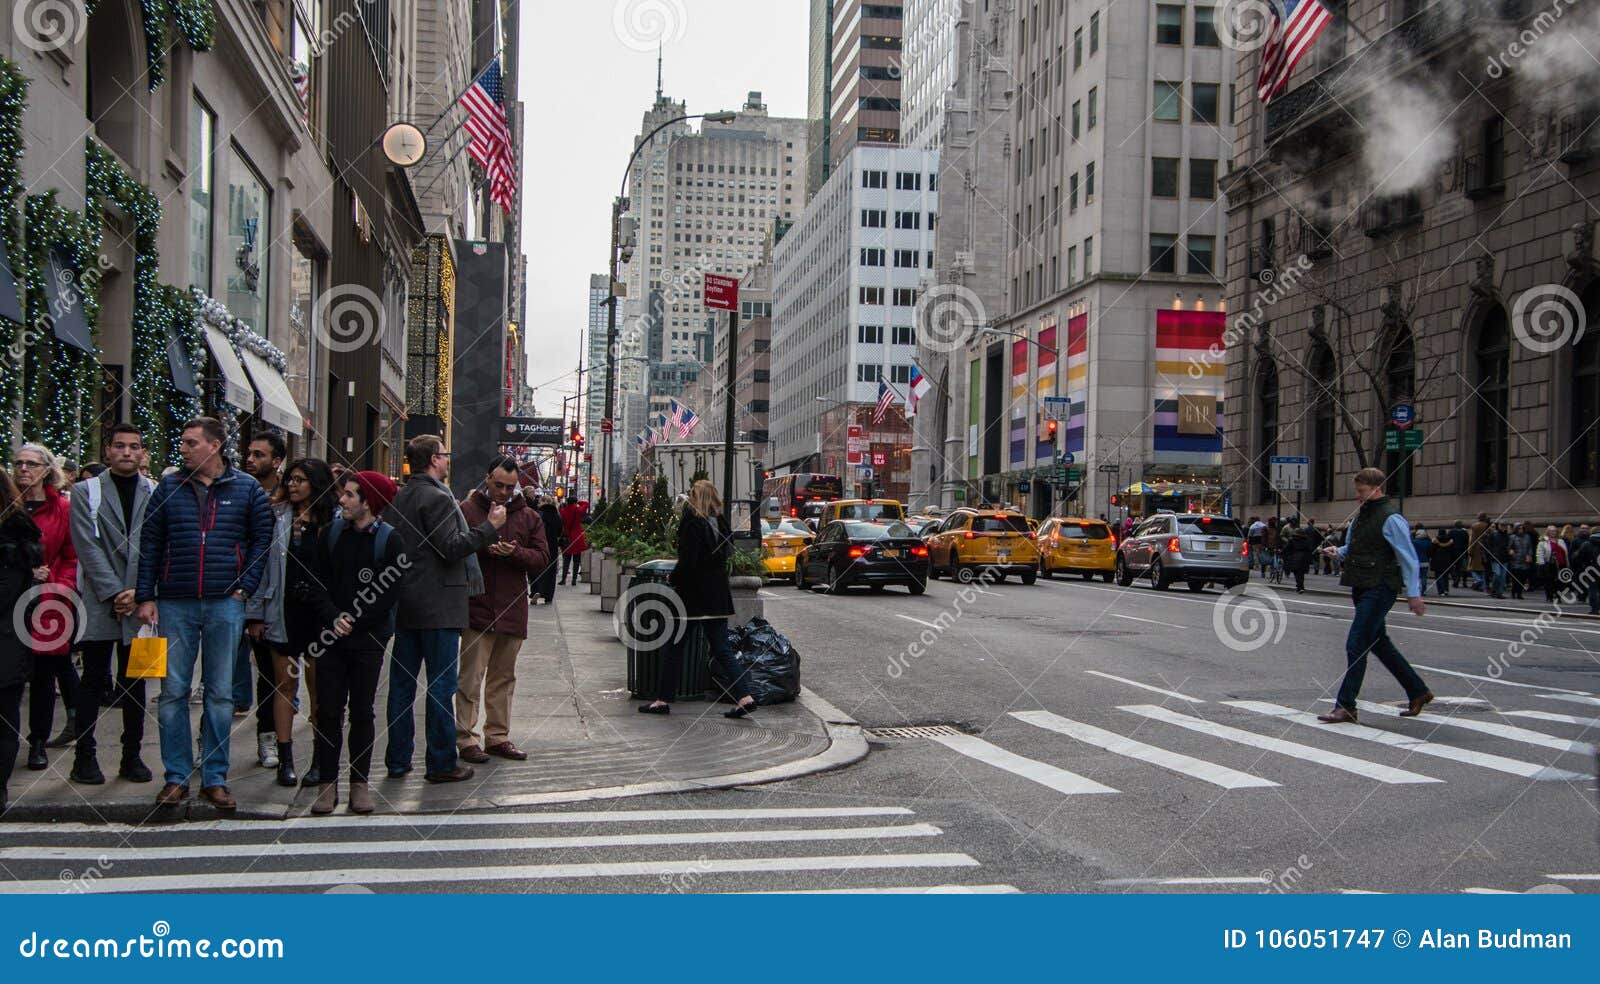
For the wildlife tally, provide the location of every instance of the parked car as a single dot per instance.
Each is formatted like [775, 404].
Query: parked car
[1069, 545]
[971, 541]
[1195, 548]
[781, 542]
[853, 552]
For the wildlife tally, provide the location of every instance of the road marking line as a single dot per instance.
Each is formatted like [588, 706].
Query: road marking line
[1558, 718]
[1345, 763]
[1223, 880]
[902, 890]
[1148, 621]
[919, 621]
[695, 867]
[1573, 877]
[476, 820]
[1217, 775]
[1359, 891]
[1146, 686]
[1527, 770]
[1062, 781]
[1570, 696]
[329, 848]
[1459, 700]
[1488, 891]
[1503, 683]
[1507, 731]
[1558, 627]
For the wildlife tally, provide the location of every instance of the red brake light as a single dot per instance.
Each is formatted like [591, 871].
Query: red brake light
[1172, 545]
[858, 551]
[919, 551]
[793, 511]
[1244, 549]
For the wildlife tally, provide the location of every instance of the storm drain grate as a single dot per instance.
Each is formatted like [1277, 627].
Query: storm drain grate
[921, 731]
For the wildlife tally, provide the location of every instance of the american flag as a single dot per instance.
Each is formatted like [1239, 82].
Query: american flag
[687, 421]
[886, 397]
[1295, 27]
[491, 138]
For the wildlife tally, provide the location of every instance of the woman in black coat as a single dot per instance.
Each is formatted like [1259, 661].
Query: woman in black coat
[700, 581]
[544, 579]
[1298, 553]
[21, 551]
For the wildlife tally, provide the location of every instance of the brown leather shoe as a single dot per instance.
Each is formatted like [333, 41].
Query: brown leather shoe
[327, 799]
[172, 794]
[1339, 715]
[506, 750]
[219, 797]
[460, 773]
[360, 798]
[472, 753]
[1417, 704]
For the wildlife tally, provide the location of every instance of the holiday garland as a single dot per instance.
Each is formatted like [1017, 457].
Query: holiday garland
[13, 94]
[165, 423]
[61, 380]
[210, 311]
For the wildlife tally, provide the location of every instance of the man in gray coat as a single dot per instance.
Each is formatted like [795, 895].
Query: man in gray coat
[433, 609]
[107, 512]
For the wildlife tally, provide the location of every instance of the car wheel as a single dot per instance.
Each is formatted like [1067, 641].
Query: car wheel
[966, 575]
[1123, 575]
[1107, 576]
[1046, 572]
[1195, 587]
[1158, 576]
[1029, 578]
[1088, 575]
[917, 587]
[836, 583]
[997, 577]
[800, 578]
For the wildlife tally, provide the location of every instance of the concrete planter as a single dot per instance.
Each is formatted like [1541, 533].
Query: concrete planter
[597, 573]
[611, 580]
[587, 571]
[747, 603]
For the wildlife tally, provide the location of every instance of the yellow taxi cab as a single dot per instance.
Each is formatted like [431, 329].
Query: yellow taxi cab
[781, 541]
[1070, 545]
[867, 510]
[971, 541]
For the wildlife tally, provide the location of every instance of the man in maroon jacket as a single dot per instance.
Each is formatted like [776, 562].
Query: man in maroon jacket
[497, 620]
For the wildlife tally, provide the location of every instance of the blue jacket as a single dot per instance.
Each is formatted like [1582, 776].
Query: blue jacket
[189, 555]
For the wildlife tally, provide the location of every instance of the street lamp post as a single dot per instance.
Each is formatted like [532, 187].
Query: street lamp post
[617, 208]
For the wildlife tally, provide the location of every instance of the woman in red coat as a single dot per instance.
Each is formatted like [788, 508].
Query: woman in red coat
[51, 631]
[572, 516]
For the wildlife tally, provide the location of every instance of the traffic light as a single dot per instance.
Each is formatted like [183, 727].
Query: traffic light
[1050, 429]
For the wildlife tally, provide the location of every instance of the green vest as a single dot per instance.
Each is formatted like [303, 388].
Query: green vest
[1370, 562]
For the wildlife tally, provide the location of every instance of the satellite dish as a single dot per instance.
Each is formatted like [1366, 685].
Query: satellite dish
[404, 144]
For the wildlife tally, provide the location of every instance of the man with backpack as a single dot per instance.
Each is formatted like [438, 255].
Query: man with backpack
[358, 561]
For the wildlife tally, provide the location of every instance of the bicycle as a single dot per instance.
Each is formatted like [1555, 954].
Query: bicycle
[1275, 568]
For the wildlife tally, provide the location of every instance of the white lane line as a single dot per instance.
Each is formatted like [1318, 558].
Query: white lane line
[1558, 718]
[1570, 696]
[1557, 627]
[1217, 775]
[1333, 760]
[1488, 891]
[1585, 877]
[902, 890]
[194, 882]
[1221, 880]
[432, 847]
[1527, 770]
[1359, 891]
[1146, 686]
[1503, 683]
[919, 621]
[1459, 700]
[1060, 780]
[475, 820]
[1148, 621]
[1509, 732]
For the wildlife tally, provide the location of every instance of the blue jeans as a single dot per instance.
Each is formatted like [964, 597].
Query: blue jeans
[1369, 636]
[1497, 578]
[205, 631]
[1422, 578]
[439, 652]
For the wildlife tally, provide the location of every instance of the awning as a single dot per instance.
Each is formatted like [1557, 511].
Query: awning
[178, 364]
[277, 403]
[68, 320]
[235, 384]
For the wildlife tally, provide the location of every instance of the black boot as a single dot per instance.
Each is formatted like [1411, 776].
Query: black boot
[86, 771]
[68, 735]
[38, 761]
[286, 773]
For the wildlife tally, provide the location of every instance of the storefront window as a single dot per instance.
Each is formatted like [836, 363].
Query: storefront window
[307, 25]
[249, 232]
[202, 179]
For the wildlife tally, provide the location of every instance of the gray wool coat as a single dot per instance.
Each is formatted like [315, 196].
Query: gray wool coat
[439, 543]
[107, 543]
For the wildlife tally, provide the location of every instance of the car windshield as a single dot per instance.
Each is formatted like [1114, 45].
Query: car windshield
[876, 531]
[1082, 531]
[1000, 524]
[794, 528]
[870, 511]
[1208, 526]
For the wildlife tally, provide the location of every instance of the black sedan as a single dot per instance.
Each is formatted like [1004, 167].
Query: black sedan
[851, 552]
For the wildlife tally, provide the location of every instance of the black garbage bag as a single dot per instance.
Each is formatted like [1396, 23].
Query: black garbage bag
[769, 665]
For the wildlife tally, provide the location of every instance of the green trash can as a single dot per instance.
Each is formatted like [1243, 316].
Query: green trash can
[646, 633]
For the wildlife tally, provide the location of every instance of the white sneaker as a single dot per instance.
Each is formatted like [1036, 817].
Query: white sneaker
[267, 750]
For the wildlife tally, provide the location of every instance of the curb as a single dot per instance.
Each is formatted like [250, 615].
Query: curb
[1434, 600]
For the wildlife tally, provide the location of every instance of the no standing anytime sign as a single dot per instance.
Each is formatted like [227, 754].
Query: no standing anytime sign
[721, 293]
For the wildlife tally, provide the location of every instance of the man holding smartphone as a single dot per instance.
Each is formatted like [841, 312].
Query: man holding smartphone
[497, 620]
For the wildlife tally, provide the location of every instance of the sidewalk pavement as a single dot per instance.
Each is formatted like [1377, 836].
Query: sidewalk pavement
[1533, 604]
[572, 714]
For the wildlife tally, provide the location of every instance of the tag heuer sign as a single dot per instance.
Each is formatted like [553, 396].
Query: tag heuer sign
[531, 430]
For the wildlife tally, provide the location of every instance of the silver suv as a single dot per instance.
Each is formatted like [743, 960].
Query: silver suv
[1191, 547]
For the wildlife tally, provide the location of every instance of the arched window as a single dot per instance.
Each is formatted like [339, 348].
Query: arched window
[1266, 427]
[1322, 388]
[1491, 358]
[1400, 377]
[1585, 453]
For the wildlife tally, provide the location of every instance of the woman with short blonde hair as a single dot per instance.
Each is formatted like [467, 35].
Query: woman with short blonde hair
[38, 476]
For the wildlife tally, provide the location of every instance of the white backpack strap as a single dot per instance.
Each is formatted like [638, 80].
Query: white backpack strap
[95, 492]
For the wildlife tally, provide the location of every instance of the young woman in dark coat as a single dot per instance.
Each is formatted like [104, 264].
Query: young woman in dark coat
[701, 581]
[21, 551]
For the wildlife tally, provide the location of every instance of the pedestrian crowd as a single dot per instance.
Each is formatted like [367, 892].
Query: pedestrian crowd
[309, 570]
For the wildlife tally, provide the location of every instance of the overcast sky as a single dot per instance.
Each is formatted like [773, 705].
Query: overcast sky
[588, 76]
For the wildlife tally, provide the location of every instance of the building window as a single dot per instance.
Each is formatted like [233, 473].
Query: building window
[1088, 183]
[908, 181]
[1164, 177]
[1072, 264]
[1586, 396]
[1202, 178]
[871, 257]
[1202, 253]
[905, 297]
[1206, 96]
[1076, 116]
[1168, 99]
[1088, 257]
[869, 334]
[871, 295]
[1094, 107]
[1077, 49]
[1094, 33]
[1163, 253]
[249, 234]
[902, 335]
[908, 220]
[1205, 27]
[868, 374]
[1072, 193]
[874, 218]
[1492, 365]
[1266, 427]
[874, 179]
[899, 374]
[1323, 387]
[907, 259]
[1169, 24]
[202, 192]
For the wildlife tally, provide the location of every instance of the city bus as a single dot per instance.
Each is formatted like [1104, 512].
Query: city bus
[794, 494]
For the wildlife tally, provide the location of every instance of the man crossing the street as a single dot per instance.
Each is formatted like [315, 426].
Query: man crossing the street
[1379, 564]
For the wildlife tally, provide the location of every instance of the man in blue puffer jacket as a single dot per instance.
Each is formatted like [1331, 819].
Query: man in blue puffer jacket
[206, 533]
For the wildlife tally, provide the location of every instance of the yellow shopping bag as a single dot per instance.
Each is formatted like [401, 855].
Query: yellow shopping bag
[147, 657]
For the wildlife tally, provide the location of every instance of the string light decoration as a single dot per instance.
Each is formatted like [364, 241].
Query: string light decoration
[196, 21]
[61, 380]
[211, 311]
[13, 101]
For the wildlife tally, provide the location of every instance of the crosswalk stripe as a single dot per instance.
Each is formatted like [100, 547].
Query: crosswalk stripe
[1489, 679]
[902, 890]
[292, 849]
[1584, 877]
[1488, 891]
[1515, 767]
[1558, 718]
[430, 821]
[1060, 780]
[1219, 880]
[1217, 775]
[194, 882]
[1146, 686]
[1345, 763]
[1574, 698]
[1507, 731]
